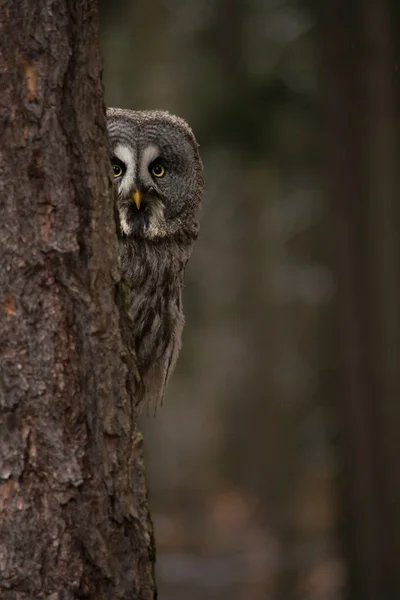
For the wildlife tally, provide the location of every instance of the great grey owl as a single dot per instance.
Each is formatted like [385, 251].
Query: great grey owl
[159, 177]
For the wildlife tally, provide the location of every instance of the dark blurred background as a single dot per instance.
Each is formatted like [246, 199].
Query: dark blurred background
[273, 465]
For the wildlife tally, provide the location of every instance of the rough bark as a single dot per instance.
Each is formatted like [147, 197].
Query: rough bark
[360, 88]
[73, 502]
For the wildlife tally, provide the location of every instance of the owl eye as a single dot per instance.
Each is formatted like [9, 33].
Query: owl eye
[158, 170]
[117, 170]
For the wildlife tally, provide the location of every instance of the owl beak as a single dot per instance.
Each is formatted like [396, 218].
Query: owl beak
[137, 198]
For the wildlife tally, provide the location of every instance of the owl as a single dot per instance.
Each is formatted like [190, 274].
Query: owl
[158, 176]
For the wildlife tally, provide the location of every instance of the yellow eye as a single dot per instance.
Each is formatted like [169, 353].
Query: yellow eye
[117, 170]
[158, 170]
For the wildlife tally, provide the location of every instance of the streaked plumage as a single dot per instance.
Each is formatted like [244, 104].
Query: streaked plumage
[159, 178]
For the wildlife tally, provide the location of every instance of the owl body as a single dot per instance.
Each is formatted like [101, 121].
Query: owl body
[159, 179]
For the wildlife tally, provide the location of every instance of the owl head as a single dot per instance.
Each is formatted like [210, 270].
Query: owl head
[158, 173]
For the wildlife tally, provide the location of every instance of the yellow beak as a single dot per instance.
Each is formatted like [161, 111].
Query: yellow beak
[137, 198]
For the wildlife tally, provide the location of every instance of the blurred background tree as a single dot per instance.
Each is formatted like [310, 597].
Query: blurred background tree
[273, 464]
[359, 44]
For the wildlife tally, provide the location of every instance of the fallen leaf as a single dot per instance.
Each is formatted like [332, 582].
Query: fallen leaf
[10, 305]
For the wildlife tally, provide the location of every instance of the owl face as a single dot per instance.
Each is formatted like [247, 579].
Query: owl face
[157, 171]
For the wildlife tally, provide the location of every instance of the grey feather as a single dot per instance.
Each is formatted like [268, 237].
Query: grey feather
[157, 238]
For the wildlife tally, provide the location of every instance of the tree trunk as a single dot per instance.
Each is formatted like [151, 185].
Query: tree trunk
[360, 89]
[73, 501]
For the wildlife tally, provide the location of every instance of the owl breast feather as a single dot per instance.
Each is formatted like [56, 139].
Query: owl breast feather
[154, 274]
